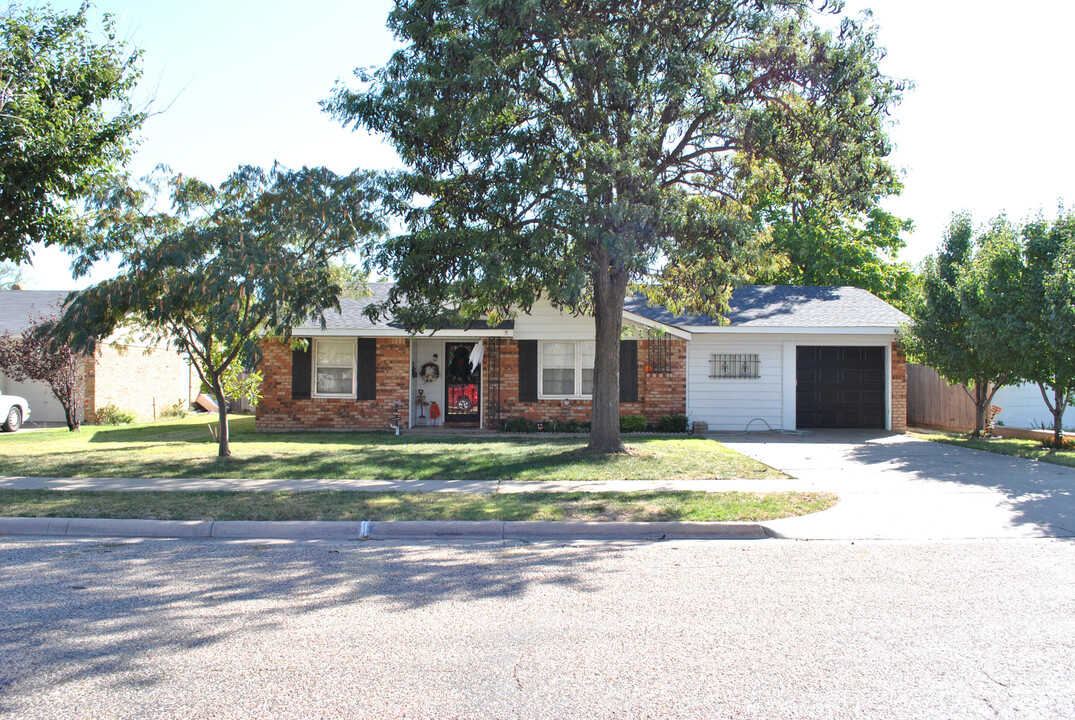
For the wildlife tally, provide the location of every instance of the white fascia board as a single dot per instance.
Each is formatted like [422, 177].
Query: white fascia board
[397, 333]
[740, 330]
[646, 322]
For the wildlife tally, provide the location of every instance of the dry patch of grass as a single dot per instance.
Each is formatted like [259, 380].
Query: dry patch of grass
[385, 506]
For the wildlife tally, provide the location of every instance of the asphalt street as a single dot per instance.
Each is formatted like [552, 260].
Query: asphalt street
[684, 629]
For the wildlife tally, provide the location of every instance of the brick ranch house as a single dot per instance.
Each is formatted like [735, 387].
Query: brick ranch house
[131, 375]
[787, 358]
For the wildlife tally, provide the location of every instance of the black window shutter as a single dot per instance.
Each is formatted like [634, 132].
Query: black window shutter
[300, 372]
[628, 371]
[528, 370]
[366, 378]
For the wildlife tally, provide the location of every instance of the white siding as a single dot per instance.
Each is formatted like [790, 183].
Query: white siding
[731, 404]
[1022, 406]
[544, 322]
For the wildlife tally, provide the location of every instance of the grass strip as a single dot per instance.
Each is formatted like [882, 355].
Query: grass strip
[385, 506]
[184, 449]
[1013, 447]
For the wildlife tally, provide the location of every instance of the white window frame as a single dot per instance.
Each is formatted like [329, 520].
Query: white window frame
[354, 368]
[577, 394]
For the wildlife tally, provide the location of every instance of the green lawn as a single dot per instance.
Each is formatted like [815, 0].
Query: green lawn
[350, 505]
[184, 448]
[1029, 449]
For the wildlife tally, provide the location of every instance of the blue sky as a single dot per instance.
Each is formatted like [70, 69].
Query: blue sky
[986, 128]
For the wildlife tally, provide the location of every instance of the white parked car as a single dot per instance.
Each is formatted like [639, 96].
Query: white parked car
[15, 412]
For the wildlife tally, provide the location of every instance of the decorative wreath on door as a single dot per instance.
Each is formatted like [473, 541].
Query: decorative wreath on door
[430, 371]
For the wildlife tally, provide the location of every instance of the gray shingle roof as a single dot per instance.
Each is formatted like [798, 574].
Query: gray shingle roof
[787, 306]
[18, 306]
[768, 306]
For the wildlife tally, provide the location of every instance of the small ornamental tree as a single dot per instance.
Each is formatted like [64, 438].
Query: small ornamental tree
[575, 150]
[1049, 312]
[34, 356]
[967, 322]
[66, 117]
[227, 265]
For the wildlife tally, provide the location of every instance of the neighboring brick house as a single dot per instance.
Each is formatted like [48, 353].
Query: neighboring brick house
[786, 358]
[132, 375]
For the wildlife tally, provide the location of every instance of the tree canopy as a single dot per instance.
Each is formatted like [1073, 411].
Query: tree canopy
[66, 118]
[225, 265]
[819, 247]
[969, 320]
[1049, 313]
[573, 149]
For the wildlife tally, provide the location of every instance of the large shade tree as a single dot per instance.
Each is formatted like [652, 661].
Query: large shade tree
[575, 149]
[223, 265]
[818, 247]
[66, 118]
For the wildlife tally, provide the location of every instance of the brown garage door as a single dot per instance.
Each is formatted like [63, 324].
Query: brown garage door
[840, 387]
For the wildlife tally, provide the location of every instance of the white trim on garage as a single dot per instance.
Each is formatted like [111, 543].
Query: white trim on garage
[769, 400]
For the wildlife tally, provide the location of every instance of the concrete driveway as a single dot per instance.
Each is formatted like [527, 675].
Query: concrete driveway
[901, 487]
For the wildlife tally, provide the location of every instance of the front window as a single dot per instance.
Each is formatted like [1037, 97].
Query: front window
[567, 369]
[334, 368]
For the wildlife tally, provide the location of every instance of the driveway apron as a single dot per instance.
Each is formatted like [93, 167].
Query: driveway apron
[901, 487]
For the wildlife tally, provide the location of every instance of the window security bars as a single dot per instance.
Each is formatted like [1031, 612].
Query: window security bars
[659, 360]
[722, 366]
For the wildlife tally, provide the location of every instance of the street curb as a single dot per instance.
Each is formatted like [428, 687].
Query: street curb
[391, 530]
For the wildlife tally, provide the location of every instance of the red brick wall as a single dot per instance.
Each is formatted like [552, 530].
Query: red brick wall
[140, 379]
[899, 389]
[659, 395]
[278, 411]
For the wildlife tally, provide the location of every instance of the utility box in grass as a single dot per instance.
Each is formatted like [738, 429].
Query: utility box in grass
[699, 427]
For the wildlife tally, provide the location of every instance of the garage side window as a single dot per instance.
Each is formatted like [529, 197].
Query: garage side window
[734, 367]
[334, 368]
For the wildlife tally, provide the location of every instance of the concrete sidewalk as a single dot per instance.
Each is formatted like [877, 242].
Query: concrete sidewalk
[488, 530]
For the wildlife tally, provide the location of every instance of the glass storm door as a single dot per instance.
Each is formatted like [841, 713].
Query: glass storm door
[462, 383]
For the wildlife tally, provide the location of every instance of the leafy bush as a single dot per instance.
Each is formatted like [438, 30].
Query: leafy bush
[179, 410]
[632, 423]
[110, 414]
[518, 425]
[1066, 443]
[672, 424]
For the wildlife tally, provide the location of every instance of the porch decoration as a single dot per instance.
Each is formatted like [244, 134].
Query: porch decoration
[430, 371]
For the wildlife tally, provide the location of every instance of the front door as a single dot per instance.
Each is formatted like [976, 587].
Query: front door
[462, 385]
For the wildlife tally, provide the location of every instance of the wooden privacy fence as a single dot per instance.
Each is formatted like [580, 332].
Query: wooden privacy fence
[932, 402]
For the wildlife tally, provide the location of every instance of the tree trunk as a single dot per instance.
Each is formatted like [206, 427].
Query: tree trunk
[71, 413]
[980, 408]
[610, 289]
[1057, 407]
[222, 415]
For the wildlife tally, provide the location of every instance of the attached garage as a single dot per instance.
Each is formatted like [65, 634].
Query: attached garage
[839, 387]
[794, 358]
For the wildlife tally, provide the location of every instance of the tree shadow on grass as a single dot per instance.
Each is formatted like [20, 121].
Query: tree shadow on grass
[93, 611]
[380, 463]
